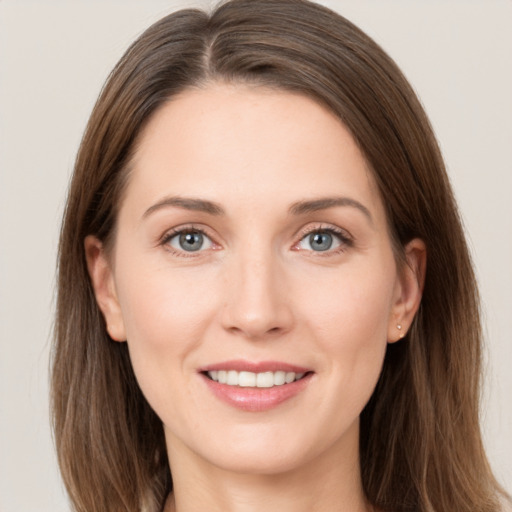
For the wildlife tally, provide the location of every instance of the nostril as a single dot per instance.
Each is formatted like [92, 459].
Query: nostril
[256, 316]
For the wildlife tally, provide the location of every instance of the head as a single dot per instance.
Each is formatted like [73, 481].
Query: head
[424, 405]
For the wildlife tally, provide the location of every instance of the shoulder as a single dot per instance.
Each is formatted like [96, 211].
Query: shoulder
[506, 504]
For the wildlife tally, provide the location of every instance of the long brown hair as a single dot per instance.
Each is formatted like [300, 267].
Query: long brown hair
[420, 444]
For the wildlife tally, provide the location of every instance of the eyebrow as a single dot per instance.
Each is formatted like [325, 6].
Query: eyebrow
[298, 208]
[187, 203]
[304, 207]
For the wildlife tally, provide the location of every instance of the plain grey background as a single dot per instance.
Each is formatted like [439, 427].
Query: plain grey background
[54, 57]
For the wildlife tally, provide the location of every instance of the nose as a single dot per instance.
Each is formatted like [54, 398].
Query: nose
[257, 304]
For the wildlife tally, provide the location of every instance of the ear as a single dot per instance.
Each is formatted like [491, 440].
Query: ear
[102, 279]
[409, 290]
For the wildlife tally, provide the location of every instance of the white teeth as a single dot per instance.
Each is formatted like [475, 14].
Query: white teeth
[279, 378]
[254, 380]
[265, 380]
[232, 378]
[246, 379]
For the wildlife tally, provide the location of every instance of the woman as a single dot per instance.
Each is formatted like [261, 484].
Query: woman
[265, 295]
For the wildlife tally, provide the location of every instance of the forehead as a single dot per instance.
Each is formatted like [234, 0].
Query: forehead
[252, 145]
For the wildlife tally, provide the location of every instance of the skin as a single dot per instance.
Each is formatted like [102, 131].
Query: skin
[258, 291]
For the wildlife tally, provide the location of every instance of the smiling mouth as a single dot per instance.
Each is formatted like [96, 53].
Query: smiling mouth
[245, 379]
[256, 386]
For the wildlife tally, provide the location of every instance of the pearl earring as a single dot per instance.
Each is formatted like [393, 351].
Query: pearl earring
[399, 327]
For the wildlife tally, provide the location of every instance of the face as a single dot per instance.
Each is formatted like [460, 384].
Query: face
[253, 278]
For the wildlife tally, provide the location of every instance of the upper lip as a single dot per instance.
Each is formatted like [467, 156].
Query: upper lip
[240, 365]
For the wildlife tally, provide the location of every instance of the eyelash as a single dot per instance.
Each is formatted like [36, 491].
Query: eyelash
[169, 235]
[345, 240]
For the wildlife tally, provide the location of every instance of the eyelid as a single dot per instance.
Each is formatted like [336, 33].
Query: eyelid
[187, 228]
[345, 238]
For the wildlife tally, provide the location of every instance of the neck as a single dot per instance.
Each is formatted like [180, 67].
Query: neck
[330, 482]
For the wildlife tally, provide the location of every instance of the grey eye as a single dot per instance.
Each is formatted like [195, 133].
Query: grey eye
[190, 241]
[320, 241]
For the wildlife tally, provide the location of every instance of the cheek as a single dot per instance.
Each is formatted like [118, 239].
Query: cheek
[354, 300]
[348, 316]
[160, 304]
[166, 314]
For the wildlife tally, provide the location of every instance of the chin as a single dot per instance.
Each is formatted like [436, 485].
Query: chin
[262, 462]
[267, 450]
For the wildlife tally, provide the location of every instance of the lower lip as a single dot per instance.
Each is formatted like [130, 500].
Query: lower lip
[256, 399]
